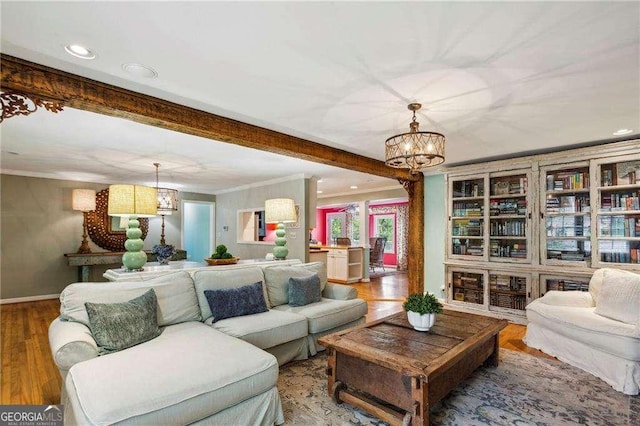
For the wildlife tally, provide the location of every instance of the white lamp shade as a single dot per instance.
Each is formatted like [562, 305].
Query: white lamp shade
[83, 199]
[132, 200]
[280, 210]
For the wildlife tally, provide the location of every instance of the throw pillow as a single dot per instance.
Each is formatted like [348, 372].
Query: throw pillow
[277, 279]
[303, 291]
[235, 302]
[117, 326]
[619, 297]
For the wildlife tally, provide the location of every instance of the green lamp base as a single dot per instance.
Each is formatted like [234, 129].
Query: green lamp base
[134, 259]
[280, 251]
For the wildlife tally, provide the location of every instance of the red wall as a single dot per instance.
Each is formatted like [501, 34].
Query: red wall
[319, 232]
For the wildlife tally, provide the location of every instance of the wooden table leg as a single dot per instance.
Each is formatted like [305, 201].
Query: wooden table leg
[331, 371]
[494, 358]
[420, 394]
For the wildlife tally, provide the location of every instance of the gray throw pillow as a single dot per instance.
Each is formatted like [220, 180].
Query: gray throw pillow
[235, 302]
[117, 326]
[303, 291]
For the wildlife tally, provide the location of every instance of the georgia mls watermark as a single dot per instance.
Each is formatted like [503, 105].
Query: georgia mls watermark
[31, 415]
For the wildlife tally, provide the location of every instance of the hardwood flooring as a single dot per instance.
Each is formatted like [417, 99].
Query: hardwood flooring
[29, 375]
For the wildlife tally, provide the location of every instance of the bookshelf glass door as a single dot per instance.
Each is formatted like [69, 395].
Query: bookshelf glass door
[566, 213]
[508, 218]
[467, 218]
[508, 291]
[563, 283]
[618, 213]
[467, 287]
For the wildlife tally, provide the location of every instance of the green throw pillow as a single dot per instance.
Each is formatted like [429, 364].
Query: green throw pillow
[117, 326]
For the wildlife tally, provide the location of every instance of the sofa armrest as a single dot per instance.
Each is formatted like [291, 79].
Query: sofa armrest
[339, 292]
[71, 343]
[576, 299]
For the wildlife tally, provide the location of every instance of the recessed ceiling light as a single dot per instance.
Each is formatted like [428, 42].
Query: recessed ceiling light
[622, 132]
[139, 70]
[318, 192]
[319, 180]
[353, 187]
[79, 51]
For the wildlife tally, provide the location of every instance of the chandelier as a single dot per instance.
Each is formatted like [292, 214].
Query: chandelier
[414, 150]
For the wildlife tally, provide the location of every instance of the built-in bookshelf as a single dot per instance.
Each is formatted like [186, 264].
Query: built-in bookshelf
[541, 223]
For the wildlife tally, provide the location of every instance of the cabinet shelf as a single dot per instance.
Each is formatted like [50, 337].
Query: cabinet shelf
[619, 187]
[502, 196]
[618, 212]
[508, 237]
[468, 198]
[568, 191]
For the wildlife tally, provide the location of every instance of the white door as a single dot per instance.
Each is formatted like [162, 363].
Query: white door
[198, 229]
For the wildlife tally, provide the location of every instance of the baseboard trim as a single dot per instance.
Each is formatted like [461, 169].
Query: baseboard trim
[29, 298]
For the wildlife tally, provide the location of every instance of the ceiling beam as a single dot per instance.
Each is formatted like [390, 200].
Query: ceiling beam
[82, 93]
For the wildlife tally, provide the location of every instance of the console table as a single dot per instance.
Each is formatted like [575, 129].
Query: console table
[85, 261]
[153, 269]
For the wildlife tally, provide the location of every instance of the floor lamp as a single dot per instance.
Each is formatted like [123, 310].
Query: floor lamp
[83, 200]
[280, 211]
[133, 201]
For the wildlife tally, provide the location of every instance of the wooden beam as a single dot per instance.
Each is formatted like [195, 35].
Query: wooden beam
[78, 92]
[415, 243]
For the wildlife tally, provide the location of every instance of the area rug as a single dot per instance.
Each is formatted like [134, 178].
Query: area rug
[522, 390]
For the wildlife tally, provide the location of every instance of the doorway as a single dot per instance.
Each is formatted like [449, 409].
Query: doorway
[198, 229]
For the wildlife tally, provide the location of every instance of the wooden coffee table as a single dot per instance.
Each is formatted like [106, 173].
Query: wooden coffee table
[397, 373]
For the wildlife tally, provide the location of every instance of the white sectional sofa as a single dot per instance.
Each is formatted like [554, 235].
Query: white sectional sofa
[196, 371]
[597, 331]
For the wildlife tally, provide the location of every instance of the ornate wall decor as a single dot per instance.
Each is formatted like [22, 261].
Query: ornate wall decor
[19, 104]
[100, 229]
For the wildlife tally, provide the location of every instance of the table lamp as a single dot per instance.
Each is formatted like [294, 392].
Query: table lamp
[83, 200]
[133, 201]
[280, 211]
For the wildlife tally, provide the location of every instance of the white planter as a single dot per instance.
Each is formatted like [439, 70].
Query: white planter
[421, 322]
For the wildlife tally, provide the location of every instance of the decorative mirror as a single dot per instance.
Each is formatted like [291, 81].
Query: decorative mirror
[105, 230]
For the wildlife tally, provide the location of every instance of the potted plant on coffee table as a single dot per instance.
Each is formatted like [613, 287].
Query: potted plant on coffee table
[421, 310]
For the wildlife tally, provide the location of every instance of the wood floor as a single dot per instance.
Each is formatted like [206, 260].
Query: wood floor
[29, 375]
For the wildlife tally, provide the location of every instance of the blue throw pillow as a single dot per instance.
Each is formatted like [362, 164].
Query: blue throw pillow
[235, 302]
[303, 291]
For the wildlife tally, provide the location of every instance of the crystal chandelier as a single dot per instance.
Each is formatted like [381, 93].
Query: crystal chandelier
[414, 150]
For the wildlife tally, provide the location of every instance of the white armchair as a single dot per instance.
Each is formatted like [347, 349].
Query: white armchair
[597, 331]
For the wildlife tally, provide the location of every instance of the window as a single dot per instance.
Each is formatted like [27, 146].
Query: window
[335, 226]
[385, 226]
[355, 227]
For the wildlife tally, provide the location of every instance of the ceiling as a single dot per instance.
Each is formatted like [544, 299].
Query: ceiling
[498, 79]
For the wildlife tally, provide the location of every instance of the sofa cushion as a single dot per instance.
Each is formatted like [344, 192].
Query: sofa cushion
[175, 292]
[235, 302]
[264, 330]
[328, 313]
[595, 284]
[277, 279]
[619, 297]
[206, 380]
[303, 291]
[578, 299]
[222, 279]
[117, 326]
[583, 325]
